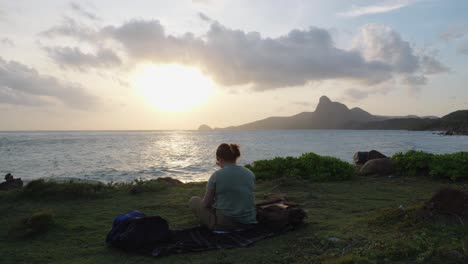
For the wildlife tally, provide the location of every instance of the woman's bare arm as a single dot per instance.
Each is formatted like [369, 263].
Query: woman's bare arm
[208, 200]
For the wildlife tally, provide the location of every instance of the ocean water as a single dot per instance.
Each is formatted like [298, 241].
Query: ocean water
[189, 155]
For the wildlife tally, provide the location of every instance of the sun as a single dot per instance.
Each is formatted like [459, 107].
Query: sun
[172, 87]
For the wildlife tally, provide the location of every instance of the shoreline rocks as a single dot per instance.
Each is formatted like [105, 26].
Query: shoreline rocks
[454, 132]
[11, 183]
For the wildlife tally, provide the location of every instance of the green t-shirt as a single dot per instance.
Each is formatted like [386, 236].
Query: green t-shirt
[234, 187]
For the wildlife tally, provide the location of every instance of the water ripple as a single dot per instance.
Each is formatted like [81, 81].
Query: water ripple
[188, 155]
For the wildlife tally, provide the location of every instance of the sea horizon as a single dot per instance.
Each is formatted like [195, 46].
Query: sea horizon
[214, 129]
[189, 155]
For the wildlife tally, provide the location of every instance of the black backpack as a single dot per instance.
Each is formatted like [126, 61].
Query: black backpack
[137, 233]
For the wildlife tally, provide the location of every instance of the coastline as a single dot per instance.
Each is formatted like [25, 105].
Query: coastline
[351, 217]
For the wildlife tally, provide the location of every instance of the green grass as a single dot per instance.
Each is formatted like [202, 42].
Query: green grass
[349, 222]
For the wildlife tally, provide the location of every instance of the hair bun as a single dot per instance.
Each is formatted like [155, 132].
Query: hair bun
[228, 152]
[235, 150]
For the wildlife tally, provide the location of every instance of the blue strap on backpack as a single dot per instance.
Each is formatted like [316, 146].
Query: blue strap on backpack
[124, 217]
[120, 224]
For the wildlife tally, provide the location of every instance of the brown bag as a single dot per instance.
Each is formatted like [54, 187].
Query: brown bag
[280, 214]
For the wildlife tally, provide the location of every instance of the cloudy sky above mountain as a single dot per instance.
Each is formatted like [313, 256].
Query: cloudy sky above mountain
[118, 64]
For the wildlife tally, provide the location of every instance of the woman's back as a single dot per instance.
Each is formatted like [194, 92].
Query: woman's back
[234, 188]
[229, 201]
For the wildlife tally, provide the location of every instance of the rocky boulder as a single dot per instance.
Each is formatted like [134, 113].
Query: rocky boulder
[380, 166]
[362, 157]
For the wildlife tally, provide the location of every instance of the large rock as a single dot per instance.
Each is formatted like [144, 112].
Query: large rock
[362, 157]
[383, 166]
[374, 154]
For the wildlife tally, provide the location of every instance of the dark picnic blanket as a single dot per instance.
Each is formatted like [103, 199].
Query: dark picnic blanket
[201, 239]
[151, 235]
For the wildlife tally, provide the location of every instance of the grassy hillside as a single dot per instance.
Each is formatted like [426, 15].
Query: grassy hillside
[354, 221]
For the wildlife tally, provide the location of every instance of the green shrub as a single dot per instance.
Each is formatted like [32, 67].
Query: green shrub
[38, 223]
[417, 163]
[309, 166]
[64, 190]
[453, 166]
[412, 163]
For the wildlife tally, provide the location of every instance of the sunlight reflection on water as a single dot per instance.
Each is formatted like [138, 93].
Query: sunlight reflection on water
[188, 155]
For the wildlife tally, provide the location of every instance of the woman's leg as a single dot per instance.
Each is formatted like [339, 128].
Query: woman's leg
[206, 216]
[210, 217]
[226, 223]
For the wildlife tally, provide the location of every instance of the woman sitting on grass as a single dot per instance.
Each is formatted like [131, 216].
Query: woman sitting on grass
[229, 201]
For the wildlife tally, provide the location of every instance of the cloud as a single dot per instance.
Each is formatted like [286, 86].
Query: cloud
[71, 28]
[381, 43]
[430, 65]
[382, 7]
[7, 42]
[82, 12]
[23, 85]
[11, 97]
[414, 80]
[205, 17]
[302, 103]
[235, 57]
[463, 48]
[201, 1]
[455, 32]
[75, 58]
[356, 94]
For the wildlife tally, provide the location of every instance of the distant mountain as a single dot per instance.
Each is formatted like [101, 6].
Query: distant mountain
[457, 122]
[335, 115]
[327, 115]
[398, 124]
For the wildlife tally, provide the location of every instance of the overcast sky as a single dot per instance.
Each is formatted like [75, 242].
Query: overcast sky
[68, 65]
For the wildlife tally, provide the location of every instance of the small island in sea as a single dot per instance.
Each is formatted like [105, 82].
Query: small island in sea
[204, 128]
